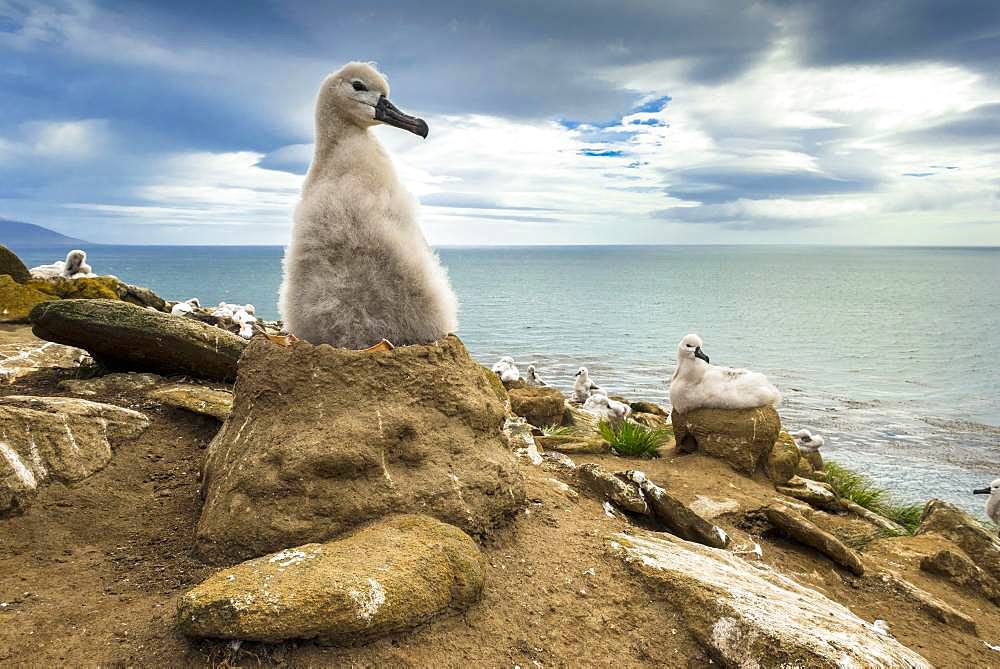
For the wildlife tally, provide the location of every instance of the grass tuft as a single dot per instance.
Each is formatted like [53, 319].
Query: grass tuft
[633, 440]
[557, 431]
[861, 490]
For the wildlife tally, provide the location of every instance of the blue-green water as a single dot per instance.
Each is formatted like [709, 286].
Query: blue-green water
[886, 351]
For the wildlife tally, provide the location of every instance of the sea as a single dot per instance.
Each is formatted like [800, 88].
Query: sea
[887, 352]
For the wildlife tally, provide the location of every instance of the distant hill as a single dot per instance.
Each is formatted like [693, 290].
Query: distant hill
[16, 234]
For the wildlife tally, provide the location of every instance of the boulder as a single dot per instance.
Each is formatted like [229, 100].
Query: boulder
[654, 422]
[120, 383]
[84, 288]
[928, 603]
[748, 615]
[321, 440]
[582, 422]
[741, 437]
[648, 407]
[194, 398]
[56, 438]
[20, 360]
[384, 578]
[12, 266]
[782, 461]
[125, 336]
[796, 527]
[949, 521]
[539, 406]
[619, 490]
[17, 300]
[960, 570]
[678, 518]
[814, 493]
[574, 445]
[142, 297]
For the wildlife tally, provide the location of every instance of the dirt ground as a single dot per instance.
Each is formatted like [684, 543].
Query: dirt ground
[92, 572]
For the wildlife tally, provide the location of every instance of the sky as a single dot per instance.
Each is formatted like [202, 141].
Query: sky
[556, 122]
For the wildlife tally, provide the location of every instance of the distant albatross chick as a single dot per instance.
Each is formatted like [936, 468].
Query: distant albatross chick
[696, 384]
[185, 307]
[602, 406]
[358, 269]
[506, 369]
[807, 441]
[73, 267]
[534, 380]
[583, 386]
[993, 503]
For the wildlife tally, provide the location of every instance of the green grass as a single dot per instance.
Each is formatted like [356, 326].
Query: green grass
[864, 492]
[631, 439]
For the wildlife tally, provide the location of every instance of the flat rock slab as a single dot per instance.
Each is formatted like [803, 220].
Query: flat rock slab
[981, 546]
[321, 440]
[797, 527]
[194, 398]
[956, 567]
[814, 493]
[741, 437]
[623, 493]
[387, 577]
[119, 383]
[678, 518]
[56, 438]
[127, 337]
[751, 616]
[20, 360]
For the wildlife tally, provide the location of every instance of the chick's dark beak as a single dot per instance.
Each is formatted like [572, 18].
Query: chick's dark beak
[389, 114]
[982, 491]
[698, 353]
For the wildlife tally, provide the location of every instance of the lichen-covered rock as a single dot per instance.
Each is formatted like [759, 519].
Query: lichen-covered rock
[321, 440]
[195, 398]
[815, 493]
[387, 577]
[12, 266]
[741, 437]
[84, 288]
[18, 299]
[751, 616]
[20, 360]
[782, 461]
[619, 490]
[960, 570]
[949, 521]
[678, 518]
[142, 297]
[648, 407]
[56, 438]
[125, 336]
[574, 445]
[539, 406]
[119, 383]
[654, 422]
[798, 528]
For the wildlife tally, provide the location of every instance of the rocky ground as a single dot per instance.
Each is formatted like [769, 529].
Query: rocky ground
[92, 572]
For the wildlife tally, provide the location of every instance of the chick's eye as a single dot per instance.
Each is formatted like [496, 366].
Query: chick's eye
[359, 86]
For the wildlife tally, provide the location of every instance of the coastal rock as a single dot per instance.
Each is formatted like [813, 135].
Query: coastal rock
[495, 384]
[648, 407]
[12, 266]
[814, 493]
[582, 422]
[321, 440]
[783, 459]
[84, 288]
[387, 577]
[574, 445]
[654, 422]
[56, 438]
[960, 570]
[751, 616]
[539, 406]
[796, 527]
[741, 437]
[928, 603]
[20, 360]
[883, 523]
[679, 519]
[142, 297]
[194, 398]
[125, 336]
[120, 383]
[949, 521]
[17, 300]
[620, 491]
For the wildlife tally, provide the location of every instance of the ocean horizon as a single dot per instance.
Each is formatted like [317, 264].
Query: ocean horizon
[885, 350]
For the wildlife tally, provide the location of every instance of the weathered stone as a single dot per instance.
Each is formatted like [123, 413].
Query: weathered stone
[119, 383]
[741, 437]
[751, 616]
[495, 383]
[648, 407]
[814, 458]
[17, 300]
[142, 297]
[573, 444]
[582, 422]
[321, 440]
[539, 406]
[56, 438]
[952, 523]
[678, 518]
[20, 360]
[796, 527]
[782, 461]
[12, 266]
[387, 577]
[654, 422]
[814, 493]
[195, 398]
[517, 384]
[879, 521]
[84, 288]
[623, 493]
[125, 336]
[928, 603]
[960, 570]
